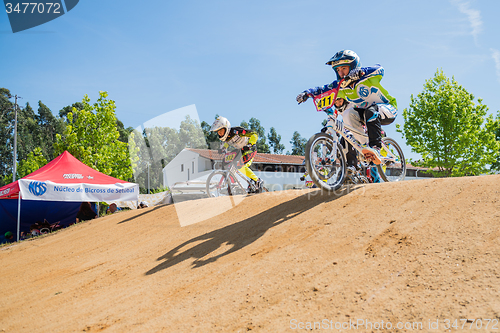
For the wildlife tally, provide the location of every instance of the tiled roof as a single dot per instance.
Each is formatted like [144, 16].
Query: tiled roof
[207, 153]
[260, 158]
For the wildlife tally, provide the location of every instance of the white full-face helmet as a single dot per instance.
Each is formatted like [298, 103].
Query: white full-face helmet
[219, 123]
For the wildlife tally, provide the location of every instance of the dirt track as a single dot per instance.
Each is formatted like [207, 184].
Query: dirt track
[414, 252]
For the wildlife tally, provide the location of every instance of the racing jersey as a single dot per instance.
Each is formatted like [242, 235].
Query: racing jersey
[239, 137]
[368, 91]
[365, 92]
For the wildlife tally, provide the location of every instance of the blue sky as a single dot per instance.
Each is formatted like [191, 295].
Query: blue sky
[246, 59]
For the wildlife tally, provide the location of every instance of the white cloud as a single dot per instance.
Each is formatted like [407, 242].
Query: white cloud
[495, 54]
[473, 15]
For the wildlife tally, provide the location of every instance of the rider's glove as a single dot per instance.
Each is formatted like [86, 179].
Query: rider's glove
[245, 148]
[355, 74]
[302, 178]
[302, 97]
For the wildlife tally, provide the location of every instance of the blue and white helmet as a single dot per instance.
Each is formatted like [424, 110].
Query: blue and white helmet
[342, 58]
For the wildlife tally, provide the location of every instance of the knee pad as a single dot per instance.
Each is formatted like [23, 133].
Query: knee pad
[387, 113]
[369, 114]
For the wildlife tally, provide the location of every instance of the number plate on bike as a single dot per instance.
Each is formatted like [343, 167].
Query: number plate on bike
[229, 157]
[325, 100]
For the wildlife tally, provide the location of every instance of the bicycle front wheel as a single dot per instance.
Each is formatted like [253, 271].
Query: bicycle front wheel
[218, 184]
[325, 162]
[392, 169]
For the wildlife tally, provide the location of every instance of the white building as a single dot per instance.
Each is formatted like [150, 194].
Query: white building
[188, 165]
[194, 165]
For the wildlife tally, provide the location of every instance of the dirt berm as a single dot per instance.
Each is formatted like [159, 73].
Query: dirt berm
[418, 255]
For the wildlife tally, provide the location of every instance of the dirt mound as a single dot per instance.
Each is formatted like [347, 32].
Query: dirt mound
[415, 253]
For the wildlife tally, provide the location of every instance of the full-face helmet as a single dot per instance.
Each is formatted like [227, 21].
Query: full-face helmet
[343, 58]
[219, 123]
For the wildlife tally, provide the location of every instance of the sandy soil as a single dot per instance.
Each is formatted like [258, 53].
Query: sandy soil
[422, 252]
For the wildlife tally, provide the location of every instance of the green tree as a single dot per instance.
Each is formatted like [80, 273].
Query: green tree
[142, 160]
[445, 126]
[92, 137]
[254, 125]
[48, 126]
[63, 113]
[7, 137]
[34, 130]
[212, 138]
[496, 164]
[275, 141]
[33, 162]
[191, 135]
[37, 130]
[124, 132]
[157, 146]
[298, 145]
[28, 132]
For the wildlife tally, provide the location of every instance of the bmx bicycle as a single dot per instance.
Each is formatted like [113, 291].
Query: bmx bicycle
[325, 152]
[226, 182]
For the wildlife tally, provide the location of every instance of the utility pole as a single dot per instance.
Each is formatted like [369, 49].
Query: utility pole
[14, 168]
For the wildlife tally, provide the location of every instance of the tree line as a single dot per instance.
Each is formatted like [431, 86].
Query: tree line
[90, 132]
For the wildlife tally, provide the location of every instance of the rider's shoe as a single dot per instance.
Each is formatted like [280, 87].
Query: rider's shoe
[373, 154]
[256, 186]
[259, 185]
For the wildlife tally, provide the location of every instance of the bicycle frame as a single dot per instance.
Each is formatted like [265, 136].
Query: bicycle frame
[336, 126]
[230, 178]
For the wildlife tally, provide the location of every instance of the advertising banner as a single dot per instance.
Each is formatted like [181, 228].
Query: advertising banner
[50, 191]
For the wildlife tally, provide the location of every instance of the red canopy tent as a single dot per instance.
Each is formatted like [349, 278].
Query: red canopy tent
[67, 179]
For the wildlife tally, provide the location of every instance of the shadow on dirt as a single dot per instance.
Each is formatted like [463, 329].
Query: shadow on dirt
[243, 233]
[148, 211]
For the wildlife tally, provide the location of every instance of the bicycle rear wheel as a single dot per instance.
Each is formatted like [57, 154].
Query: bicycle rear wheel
[392, 170]
[218, 185]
